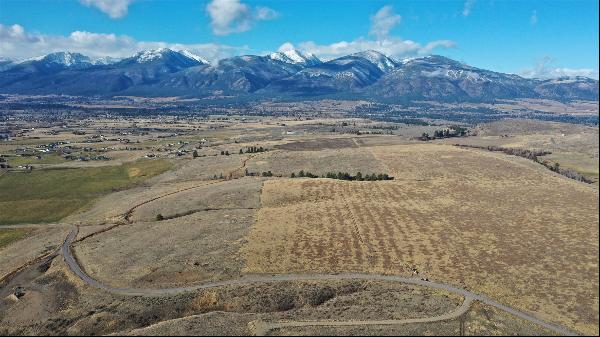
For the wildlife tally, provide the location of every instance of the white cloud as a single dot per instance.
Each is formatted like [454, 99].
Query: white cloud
[568, 72]
[383, 21]
[544, 70]
[233, 16]
[381, 24]
[468, 7]
[391, 46]
[534, 18]
[116, 9]
[265, 13]
[17, 43]
[286, 47]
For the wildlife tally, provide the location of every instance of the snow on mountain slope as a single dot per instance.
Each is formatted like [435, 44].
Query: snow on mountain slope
[382, 62]
[65, 59]
[193, 56]
[296, 57]
[368, 74]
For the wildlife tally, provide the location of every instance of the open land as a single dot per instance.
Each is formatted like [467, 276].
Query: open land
[270, 224]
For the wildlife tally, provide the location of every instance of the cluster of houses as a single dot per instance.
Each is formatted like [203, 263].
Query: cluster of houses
[103, 138]
[81, 152]
[61, 148]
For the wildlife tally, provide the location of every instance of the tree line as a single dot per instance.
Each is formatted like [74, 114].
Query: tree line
[525, 153]
[253, 149]
[533, 155]
[344, 176]
[249, 149]
[452, 131]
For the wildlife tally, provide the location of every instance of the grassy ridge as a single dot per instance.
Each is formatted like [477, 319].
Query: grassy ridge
[50, 195]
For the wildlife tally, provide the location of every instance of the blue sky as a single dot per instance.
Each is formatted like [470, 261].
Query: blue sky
[533, 38]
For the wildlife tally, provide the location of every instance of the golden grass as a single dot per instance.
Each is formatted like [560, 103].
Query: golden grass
[495, 224]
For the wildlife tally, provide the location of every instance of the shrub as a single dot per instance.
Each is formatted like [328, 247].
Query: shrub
[320, 295]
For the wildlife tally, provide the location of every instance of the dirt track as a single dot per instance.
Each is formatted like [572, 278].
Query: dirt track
[262, 328]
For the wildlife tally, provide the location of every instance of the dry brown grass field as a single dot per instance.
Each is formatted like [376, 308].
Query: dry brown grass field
[572, 146]
[38, 242]
[491, 223]
[198, 240]
[499, 225]
[346, 159]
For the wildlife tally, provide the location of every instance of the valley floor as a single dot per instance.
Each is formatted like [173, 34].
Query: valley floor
[219, 229]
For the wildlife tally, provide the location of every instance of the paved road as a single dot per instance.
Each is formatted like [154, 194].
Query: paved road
[251, 279]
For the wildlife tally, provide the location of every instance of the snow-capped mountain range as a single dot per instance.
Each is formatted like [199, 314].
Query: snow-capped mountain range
[291, 73]
[68, 60]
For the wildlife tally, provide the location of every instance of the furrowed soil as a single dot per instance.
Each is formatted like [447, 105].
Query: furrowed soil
[499, 225]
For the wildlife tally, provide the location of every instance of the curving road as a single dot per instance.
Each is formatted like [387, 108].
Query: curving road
[262, 328]
[251, 279]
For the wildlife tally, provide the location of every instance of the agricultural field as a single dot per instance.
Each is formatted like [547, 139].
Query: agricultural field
[196, 226]
[451, 214]
[571, 146]
[50, 195]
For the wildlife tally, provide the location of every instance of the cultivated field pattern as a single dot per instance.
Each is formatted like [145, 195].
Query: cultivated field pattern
[494, 224]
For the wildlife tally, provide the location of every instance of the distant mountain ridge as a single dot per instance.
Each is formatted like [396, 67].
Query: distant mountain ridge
[363, 75]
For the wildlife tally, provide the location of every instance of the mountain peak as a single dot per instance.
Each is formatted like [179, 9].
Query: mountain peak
[151, 54]
[382, 61]
[64, 58]
[166, 54]
[294, 56]
[434, 60]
